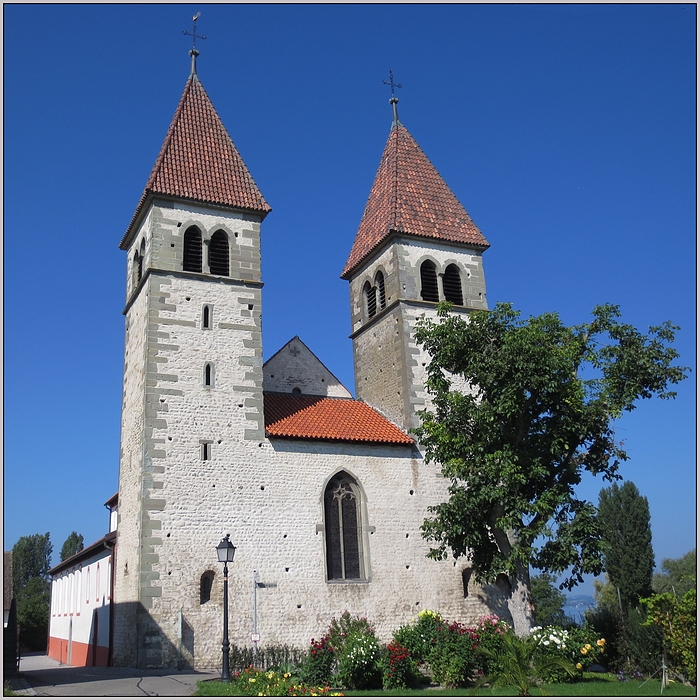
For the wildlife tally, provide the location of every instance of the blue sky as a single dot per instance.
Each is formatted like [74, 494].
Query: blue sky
[567, 131]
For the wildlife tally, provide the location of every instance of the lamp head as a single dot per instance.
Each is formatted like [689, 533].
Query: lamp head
[225, 550]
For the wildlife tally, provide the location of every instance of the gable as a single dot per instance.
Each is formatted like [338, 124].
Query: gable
[294, 366]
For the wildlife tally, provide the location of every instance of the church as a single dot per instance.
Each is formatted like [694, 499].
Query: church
[323, 494]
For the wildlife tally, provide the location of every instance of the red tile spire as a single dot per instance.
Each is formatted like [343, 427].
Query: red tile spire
[409, 196]
[198, 160]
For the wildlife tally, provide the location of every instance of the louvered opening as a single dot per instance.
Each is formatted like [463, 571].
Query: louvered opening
[379, 284]
[192, 250]
[218, 254]
[452, 285]
[428, 282]
[370, 299]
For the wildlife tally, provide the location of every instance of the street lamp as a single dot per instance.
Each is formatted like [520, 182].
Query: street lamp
[225, 552]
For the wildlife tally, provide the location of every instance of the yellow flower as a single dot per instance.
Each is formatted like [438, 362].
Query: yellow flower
[286, 675]
[259, 695]
[584, 651]
[601, 642]
[589, 647]
[579, 666]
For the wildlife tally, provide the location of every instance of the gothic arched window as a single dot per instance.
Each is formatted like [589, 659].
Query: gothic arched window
[428, 282]
[206, 317]
[192, 250]
[379, 285]
[205, 584]
[208, 374]
[370, 299]
[343, 525]
[452, 285]
[218, 254]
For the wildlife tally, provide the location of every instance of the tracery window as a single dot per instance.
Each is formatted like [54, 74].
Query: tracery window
[452, 285]
[343, 526]
[218, 254]
[428, 282]
[192, 250]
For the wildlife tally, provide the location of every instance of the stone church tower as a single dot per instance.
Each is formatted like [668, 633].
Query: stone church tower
[323, 494]
[416, 246]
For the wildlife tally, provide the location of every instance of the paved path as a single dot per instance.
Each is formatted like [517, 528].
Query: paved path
[41, 676]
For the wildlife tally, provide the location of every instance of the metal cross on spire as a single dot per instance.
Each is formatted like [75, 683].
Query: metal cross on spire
[193, 51]
[394, 100]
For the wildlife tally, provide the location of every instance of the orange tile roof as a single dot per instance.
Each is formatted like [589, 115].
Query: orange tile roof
[198, 160]
[325, 418]
[410, 196]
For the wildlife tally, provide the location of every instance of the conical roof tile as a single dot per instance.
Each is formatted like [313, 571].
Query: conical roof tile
[409, 196]
[198, 160]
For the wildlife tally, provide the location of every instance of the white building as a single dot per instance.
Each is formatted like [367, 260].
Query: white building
[81, 602]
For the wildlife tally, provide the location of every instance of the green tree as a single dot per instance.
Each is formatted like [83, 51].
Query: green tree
[540, 412]
[72, 545]
[677, 575]
[31, 557]
[31, 561]
[625, 528]
[549, 602]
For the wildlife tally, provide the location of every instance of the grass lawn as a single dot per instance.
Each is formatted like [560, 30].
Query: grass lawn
[603, 684]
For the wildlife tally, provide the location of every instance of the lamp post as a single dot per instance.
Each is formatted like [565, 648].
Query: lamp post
[225, 552]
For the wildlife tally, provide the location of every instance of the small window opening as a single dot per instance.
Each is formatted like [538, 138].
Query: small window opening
[503, 584]
[379, 284]
[370, 299]
[466, 575]
[192, 250]
[296, 391]
[218, 254]
[452, 285]
[206, 450]
[205, 584]
[207, 313]
[428, 282]
[208, 374]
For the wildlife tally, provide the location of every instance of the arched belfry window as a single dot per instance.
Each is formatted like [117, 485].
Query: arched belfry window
[142, 255]
[343, 525]
[452, 285]
[379, 286]
[218, 254]
[370, 299]
[428, 282]
[205, 584]
[192, 250]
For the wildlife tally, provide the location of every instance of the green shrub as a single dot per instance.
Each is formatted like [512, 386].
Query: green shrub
[452, 659]
[578, 647]
[400, 668]
[489, 643]
[340, 629]
[317, 667]
[359, 661]
[420, 636]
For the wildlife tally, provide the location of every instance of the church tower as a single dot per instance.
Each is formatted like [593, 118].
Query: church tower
[193, 392]
[416, 246]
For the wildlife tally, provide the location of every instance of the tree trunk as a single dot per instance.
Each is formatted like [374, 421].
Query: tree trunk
[520, 601]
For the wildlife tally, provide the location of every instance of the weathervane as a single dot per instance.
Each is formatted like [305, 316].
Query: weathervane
[394, 100]
[193, 51]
